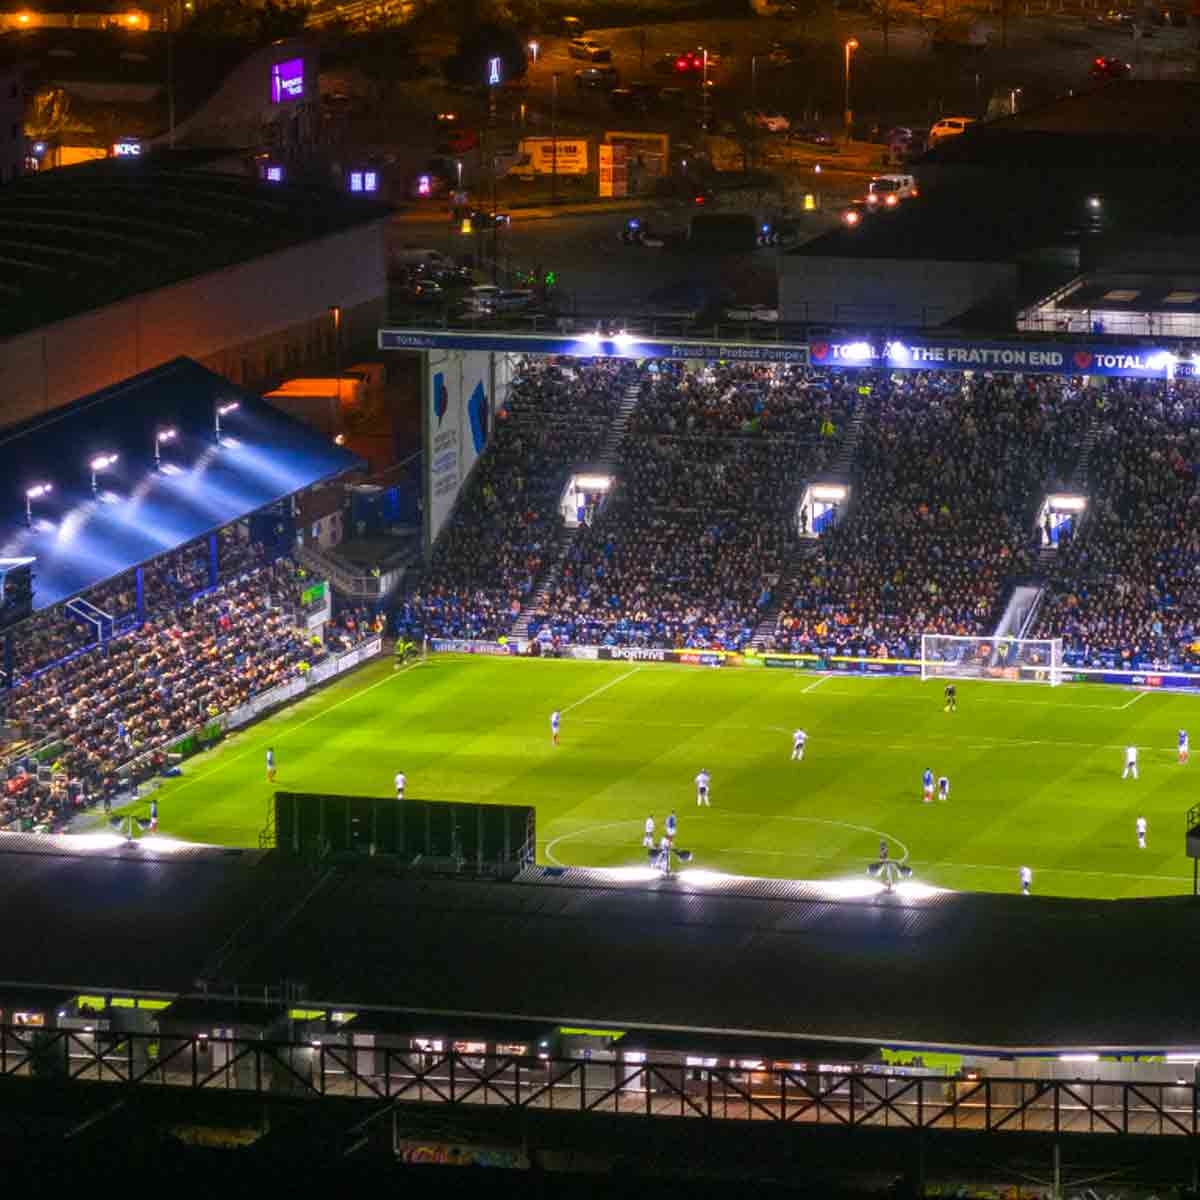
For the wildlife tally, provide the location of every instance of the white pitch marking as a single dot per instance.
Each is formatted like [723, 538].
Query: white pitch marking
[581, 833]
[816, 683]
[592, 695]
[1131, 703]
[1051, 871]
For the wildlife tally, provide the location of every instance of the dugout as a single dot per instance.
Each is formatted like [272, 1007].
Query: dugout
[483, 839]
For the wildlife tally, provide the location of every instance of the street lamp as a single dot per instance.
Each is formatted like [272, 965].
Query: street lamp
[223, 410]
[32, 494]
[554, 138]
[533, 49]
[100, 463]
[851, 46]
[335, 311]
[704, 91]
[163, 435]
[1013, 93]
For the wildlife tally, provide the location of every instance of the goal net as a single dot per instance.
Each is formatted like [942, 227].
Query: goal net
[1030, 660]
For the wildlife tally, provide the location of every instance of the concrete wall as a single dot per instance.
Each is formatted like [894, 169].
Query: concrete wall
[251, 323]
[12, 125]
[887, 291]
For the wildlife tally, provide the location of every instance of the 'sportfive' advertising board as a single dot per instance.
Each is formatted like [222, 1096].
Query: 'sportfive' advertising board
[458, 421]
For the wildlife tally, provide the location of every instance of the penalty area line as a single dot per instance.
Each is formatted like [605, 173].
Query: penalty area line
[604, 688]
[233, 758]
[816, 683]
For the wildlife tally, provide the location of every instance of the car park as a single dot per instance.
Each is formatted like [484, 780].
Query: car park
[637, 232]
[586, 48]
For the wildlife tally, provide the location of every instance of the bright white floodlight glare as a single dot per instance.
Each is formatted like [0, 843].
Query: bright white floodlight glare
[35, 493]
[102, 462]
[224, 410]
[623, 338]
[166, 435]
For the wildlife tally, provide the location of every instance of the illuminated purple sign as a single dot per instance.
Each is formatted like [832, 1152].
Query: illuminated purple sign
[287, 80]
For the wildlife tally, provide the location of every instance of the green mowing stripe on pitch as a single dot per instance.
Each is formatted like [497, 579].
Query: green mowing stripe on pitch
[1034, 771]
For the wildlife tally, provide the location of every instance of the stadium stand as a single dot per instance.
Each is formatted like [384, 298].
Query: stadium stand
[946, 484]
[506, 526]
[1125, 591]
[686, 551]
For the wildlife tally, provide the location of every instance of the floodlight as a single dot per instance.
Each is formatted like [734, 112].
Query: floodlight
[622, 338]
[102, 462]
[35, 493]
[1079, 1058]
[163, 435]
[593, 483]
[223, 410]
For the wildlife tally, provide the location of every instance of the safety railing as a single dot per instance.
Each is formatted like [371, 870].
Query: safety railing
[346, 1066]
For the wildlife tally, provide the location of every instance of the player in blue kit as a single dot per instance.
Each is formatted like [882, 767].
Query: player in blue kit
[927, 785]
[1183, 747]
[943, 788]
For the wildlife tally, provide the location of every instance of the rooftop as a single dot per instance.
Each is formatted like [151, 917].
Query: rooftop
[1130, 123]
[80, 539]
[82, 237]
[574, 948]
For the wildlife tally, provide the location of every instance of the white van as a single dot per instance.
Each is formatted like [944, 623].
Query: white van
[889, 190]
[949, 127]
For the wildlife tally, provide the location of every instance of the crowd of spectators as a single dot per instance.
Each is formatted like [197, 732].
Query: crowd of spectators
[507, 525]
[948, 477]
[687, 549]
[54, 633]
[112, 712]
[1126, 591]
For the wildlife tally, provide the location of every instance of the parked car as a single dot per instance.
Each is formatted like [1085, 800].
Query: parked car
[585, 48]
[949, 127]
[489, 220]
[1105, 70]
[602, 76]
[812, 137]
[772, 122]
[752, 312]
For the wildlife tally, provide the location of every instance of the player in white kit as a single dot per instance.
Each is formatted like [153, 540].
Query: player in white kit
[1026, 880]
[648, 835]
[1130, 762]
[1141, 832]
[799, 738]
[1183, 746]
[943, 788]
[400, 782]
[554, 719]
[702, 789]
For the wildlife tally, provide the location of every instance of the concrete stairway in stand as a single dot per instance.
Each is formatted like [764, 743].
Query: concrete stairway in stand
[789, 577]
[608, 459]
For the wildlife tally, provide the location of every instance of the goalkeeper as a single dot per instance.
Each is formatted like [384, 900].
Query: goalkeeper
[403, 651]
[951, 697]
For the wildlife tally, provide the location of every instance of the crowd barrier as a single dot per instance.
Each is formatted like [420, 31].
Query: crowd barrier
[203, 735]
[826, 664]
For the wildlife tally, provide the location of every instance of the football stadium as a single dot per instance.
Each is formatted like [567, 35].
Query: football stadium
[777, 733]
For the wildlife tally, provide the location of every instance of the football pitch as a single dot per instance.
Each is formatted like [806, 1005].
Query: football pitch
[1035, 772]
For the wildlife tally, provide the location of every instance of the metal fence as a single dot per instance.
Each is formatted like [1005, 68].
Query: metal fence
[350, 1068]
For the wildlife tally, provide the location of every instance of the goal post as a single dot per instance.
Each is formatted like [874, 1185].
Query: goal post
[1027, 660]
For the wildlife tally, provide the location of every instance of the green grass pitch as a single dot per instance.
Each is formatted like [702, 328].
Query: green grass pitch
[1035, 772]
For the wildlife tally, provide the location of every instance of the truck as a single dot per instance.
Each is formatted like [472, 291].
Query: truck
[538, 156]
